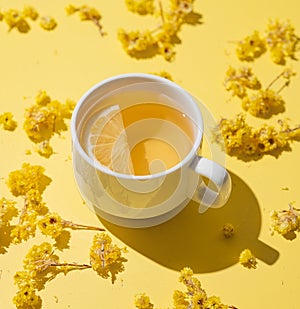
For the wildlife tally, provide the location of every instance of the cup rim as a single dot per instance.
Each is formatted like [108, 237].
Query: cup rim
[145, 76]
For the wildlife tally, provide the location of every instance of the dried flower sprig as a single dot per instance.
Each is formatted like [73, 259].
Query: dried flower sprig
[7, 121]
[8, 210]
[257, 101]
[228, 230]
[86, 13]
[19, 19]
[163, 38]
[53, 225]
[251, 47]
[194, 296]
[141, 7]
[247, 259]
[44, 119]
[285, 221]
[41, 264]
[249, 143]
[28, 182]
[279, 38]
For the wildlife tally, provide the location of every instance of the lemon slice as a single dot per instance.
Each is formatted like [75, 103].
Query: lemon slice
[108, 142]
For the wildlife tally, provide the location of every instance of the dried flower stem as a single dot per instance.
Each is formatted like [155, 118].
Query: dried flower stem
[82, 266]
[97, 23]
[77, 226]
[161, 10]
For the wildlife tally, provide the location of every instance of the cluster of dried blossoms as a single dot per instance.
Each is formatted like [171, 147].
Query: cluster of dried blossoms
[164, 74]
[247, 259]
[19, 19]
[163, 38]
[246, 142]
[8, 210]
[7, 121]
[86, 13]
[29, 182]
[41, 264]
[279, 38]
[258, 101]
[285, 221]
[44, 119]
[194, 296]
[228, 230]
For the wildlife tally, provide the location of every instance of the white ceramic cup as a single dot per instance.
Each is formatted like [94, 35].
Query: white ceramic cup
[145, 200]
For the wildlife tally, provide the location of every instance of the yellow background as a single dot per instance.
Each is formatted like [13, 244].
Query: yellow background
[72, 58]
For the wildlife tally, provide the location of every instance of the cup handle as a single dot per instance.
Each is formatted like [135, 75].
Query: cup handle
[218, 178]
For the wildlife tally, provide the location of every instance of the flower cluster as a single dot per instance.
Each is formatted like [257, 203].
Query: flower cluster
[246, 142]
[141, 7]
[285, 221]
[7, 121]
[279, 38]
[239, 81]
[86, 13]
[51, 224]
[8, 210]
[228, 230]
[247, 259]
[41, 264]
[194, 296]
[105, 257]
[258, 101]
[164, 74]
[36, 267]
[45, 118]
[48, 23]
[251, 47]
[28, 182]
[162, 39]
[19, 19]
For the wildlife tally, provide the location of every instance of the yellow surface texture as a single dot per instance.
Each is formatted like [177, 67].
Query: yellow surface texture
[72, 58]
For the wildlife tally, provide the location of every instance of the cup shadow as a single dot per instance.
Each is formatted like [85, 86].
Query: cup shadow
[196, 240]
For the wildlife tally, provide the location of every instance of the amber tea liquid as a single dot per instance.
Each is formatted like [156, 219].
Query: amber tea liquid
[157, 136]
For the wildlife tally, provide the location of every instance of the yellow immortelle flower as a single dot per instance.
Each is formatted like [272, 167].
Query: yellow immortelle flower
[142, 301]
[39, 258]
[135, 41]
[42, 98]
[48, 23]
[31, 12]
[8, 210]
[142, 7]
[44, 149]
[262, 103]
[241, 139]
[105, 256]
[51, 225]
[23, 279]
[26, 298]
[28, 177]
[247, 259]
[251, 47]
[237, 81]
[285, 221]
[7, 121]
[282, 40]
[228, 230]
[186, 274]
[24, 230]
[15, 19]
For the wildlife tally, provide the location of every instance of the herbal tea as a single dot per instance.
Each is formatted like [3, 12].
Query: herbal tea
[142, 139]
